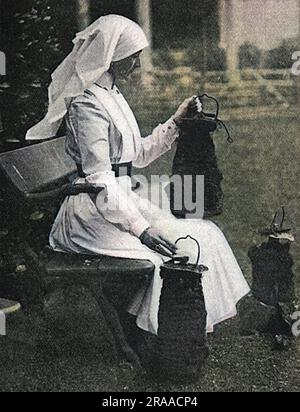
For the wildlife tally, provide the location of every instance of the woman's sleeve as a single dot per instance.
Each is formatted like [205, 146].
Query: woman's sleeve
[90, 127]
[159, 142]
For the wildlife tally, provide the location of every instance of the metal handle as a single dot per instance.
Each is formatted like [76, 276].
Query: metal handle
[199, 248]
[215, 100]
[229, 138]
[216, 118]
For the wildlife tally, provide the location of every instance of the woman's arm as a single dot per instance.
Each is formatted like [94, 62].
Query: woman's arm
[159, 142]
[162, 138]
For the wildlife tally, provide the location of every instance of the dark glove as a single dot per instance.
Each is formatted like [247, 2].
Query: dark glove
[154, 241]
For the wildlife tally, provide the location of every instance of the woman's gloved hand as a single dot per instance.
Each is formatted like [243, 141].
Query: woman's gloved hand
[156, 242]
[190, 105]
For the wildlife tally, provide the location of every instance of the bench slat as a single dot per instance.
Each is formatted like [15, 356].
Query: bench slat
[35, 167]
[63, 264]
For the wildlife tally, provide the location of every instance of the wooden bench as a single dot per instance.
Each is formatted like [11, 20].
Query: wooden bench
[42, 175]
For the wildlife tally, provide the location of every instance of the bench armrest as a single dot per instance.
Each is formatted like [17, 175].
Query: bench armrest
[9, 306]
[68, 189]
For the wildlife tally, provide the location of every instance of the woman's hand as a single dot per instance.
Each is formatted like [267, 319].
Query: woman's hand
[190, 105]
[156, 242]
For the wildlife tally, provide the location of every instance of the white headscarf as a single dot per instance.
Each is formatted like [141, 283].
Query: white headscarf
[109, 39]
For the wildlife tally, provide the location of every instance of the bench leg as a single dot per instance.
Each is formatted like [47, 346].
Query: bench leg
[113, 321]
[111, 316]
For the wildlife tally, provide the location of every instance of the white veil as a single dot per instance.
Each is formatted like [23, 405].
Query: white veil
[110, 38]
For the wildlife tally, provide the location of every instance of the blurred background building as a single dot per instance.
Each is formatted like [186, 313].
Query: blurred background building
[241, 46]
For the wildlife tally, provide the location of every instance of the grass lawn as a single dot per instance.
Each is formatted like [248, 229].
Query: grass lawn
[261, 172]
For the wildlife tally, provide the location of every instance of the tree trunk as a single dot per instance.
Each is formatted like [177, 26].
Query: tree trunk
[83, 14]
[143, 10]
[231, 29]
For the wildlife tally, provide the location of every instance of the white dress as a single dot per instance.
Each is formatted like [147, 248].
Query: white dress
[102, 131]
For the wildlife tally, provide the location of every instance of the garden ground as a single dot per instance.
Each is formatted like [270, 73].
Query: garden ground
[262, 173]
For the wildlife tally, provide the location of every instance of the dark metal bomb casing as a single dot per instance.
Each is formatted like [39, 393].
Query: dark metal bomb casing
[196, 156]
[178, 269]
[181, 347]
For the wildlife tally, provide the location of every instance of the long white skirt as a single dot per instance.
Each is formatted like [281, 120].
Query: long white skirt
[80, 228]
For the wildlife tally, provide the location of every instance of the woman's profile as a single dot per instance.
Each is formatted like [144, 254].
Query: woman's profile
[104, 140]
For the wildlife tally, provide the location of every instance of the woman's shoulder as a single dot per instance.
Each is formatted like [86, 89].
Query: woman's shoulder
[85, 102]
[86, 97]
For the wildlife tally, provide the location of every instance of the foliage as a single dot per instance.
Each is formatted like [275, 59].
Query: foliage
[249, 56]
[36, 43]
[216, 59]
[194, 56]
[281, 57]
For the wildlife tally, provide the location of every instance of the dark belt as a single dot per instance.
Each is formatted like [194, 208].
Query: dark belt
[121, 169]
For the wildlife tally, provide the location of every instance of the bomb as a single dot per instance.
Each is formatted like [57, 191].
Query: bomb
[196, 156]
[181, 348]
[273, 285]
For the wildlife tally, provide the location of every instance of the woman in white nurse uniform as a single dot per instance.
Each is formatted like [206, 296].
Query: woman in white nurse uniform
[102, 136]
